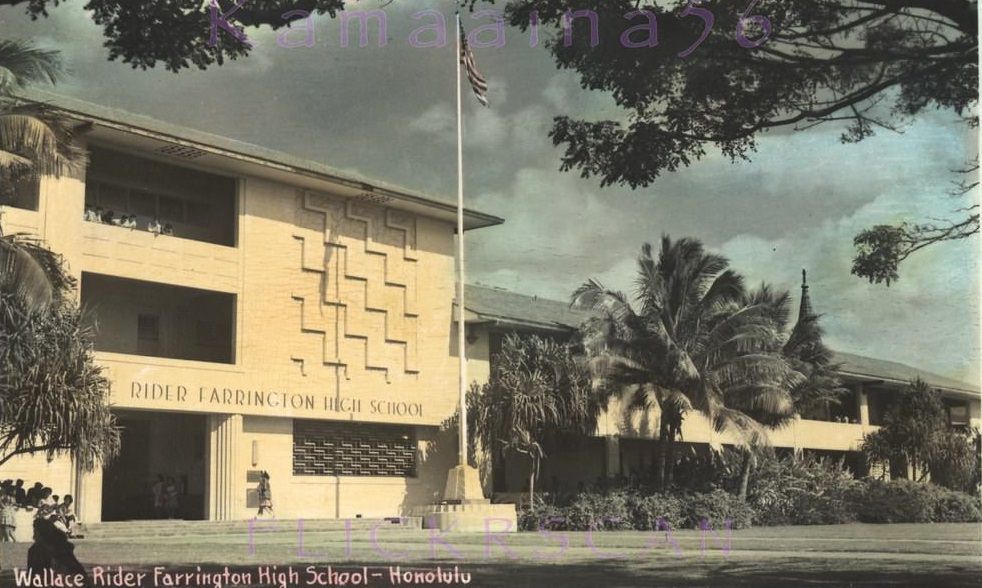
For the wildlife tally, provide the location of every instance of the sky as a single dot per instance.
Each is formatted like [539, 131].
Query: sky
[388, 113]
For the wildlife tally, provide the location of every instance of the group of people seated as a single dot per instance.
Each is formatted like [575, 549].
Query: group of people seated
[845, 419]
[97, 214]
[53, 524]
[39, 498]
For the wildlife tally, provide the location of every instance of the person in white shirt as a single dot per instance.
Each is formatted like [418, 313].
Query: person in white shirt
[154, 227]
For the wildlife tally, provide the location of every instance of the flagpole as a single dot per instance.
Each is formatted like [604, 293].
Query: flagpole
[461, 334]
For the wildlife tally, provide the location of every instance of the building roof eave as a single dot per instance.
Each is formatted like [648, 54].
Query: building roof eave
[973, 394]
[110, 122]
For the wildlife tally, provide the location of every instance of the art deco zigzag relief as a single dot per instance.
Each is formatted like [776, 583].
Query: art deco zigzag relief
[360, 266]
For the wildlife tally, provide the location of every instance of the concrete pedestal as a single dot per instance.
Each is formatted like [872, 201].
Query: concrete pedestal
[465, 509]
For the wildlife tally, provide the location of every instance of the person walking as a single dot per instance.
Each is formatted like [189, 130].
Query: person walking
[8, 515]
[265, 494]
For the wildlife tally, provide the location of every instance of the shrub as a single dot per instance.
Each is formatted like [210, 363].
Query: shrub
[596, 510]
[952, 506]
[716, 508]
[895, 501]
[646, 510]
[955, 461]
[540, 515]
[801, 492]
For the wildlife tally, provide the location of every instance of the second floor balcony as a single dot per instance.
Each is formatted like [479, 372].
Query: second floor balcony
[135, 317]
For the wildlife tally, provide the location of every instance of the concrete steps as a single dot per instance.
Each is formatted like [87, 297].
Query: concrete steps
[173, 528]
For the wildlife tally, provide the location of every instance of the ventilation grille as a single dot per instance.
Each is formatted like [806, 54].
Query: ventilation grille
[352, 449]
[371, 197]
[181, 151]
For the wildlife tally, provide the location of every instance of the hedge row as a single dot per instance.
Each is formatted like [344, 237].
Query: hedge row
[633, 510]
[905, 501]
[873, 501]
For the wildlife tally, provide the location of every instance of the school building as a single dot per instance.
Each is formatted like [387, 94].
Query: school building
[256, 311]
[280, 316]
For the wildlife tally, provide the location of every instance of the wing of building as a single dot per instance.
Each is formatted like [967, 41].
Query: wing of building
[624, 443]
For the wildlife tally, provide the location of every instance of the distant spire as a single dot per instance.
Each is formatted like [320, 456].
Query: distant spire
[805, 309]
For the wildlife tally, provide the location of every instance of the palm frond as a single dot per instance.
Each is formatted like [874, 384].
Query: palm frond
[22, 64]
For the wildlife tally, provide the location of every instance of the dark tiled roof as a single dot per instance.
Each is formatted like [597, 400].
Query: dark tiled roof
[860, 365]
[495, 304]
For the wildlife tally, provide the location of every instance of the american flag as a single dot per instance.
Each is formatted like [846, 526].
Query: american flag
[478, 83]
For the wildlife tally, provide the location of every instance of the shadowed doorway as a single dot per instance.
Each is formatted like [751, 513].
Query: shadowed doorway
[157, 445]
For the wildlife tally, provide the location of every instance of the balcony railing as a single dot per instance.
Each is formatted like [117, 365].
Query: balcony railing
[143, 255]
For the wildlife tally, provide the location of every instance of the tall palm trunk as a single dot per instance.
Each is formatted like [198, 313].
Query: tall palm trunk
[745, 474]
[661, 456]
[670, 461]
[532, 474]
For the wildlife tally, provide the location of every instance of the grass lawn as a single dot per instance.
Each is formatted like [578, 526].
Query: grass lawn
[840, 555]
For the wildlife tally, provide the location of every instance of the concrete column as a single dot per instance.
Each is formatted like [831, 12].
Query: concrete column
[612, 455]
[87, 489]
[862, 404]
[226, 480]
[974, 413]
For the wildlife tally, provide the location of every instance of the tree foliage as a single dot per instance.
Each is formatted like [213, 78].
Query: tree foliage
[694, 340]
[53, 396]
[916, 433]
[537, 390]
[880, 249]
[823, 60]
[177, 33]
[868, 65]
[34, 140]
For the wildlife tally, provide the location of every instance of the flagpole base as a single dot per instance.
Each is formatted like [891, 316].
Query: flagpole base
[463, 485]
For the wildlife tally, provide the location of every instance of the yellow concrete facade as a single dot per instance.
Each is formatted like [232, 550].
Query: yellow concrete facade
[343, 312]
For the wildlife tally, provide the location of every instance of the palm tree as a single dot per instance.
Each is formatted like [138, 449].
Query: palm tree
[33, 138]
[694, 342]
[812, 377]
[53, 396]
[34, 141]
[537, 391]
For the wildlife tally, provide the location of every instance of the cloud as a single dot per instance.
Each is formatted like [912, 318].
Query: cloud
[388, 113]
[437, 120]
